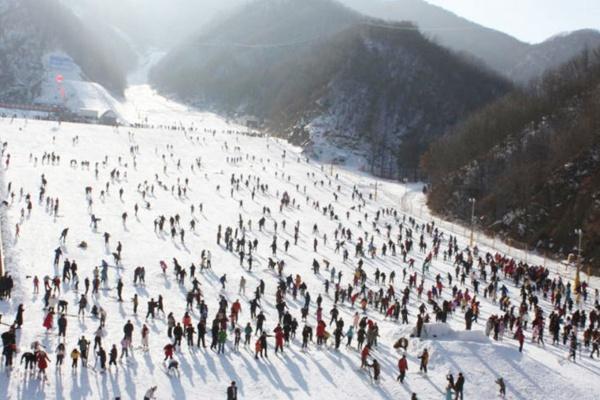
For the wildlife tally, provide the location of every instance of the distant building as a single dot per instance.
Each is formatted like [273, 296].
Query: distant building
[109, 117]
[87, 114]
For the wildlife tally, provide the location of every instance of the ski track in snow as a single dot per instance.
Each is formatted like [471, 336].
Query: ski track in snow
[538, 373]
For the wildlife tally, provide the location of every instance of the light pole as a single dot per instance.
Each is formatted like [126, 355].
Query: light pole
[578, 232]
[472, 201]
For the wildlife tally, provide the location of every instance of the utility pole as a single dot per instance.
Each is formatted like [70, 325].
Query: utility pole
[376, 190]
[472, 201]
[578, 232]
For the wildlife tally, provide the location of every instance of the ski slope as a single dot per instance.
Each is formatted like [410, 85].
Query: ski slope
[319, 373]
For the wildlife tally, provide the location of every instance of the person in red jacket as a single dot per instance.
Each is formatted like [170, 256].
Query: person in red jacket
[49, 320]
[187, 320]
[42, 361]
[320, 332]
[168, 351]
[521, 338]
[364, 355]
[402, 367]
[278, 338]
[390, 311]
[236, 307]
[258, 349]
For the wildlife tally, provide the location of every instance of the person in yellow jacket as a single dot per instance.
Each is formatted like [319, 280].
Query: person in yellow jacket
[75, 358]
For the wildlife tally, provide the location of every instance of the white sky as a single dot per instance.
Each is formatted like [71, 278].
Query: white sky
[528, 20]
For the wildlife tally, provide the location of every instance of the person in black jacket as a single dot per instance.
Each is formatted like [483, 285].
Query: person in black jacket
[113, 356]
[62, 326]
[128, 330]
[178, 334]
[469, 317]
[102, 356]
[458, 386]
[201, 333]
[232, 391]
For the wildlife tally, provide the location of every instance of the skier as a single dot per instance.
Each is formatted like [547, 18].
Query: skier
[150, 393]
[376, 370]
[232, 391]
[101, 355]
[424, 357]
[501, 386]
[458, 386]
[74, 358]
[42, 361]
[364, 355]
[402, 368]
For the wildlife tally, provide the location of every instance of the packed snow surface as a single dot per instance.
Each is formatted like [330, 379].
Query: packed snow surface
[319, 372]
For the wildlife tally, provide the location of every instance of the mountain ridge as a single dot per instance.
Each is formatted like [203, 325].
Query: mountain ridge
[349, 76]
[512, 58]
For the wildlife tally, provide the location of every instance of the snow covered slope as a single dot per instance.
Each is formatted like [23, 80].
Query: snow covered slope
[319, 373]
[73, 91]
[31, 29]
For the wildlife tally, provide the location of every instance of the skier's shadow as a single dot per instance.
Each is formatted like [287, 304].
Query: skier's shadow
[129, 383]
[85, 382]
[114, 383]
[141, 290]
[250, 368]
[187, 370]
[296, 372]
[210, 364]
[177, 389]
[198, 367]
[271, 372]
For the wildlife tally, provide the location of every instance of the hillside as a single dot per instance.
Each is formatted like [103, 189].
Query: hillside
[513, 59]
[230, 57]
[350, 89]
[532, 162]
[32, 29]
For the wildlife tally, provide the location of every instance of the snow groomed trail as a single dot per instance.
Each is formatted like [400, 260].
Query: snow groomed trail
[163, 159]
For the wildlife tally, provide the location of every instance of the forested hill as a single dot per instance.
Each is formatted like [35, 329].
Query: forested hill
[531, 160]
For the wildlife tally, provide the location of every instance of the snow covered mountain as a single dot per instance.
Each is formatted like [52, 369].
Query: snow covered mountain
[330, 80]
[536, 171]
[32, 30]
[516, 60]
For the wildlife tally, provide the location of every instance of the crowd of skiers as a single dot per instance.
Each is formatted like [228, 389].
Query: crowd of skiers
[355, 297]
[6, 286]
